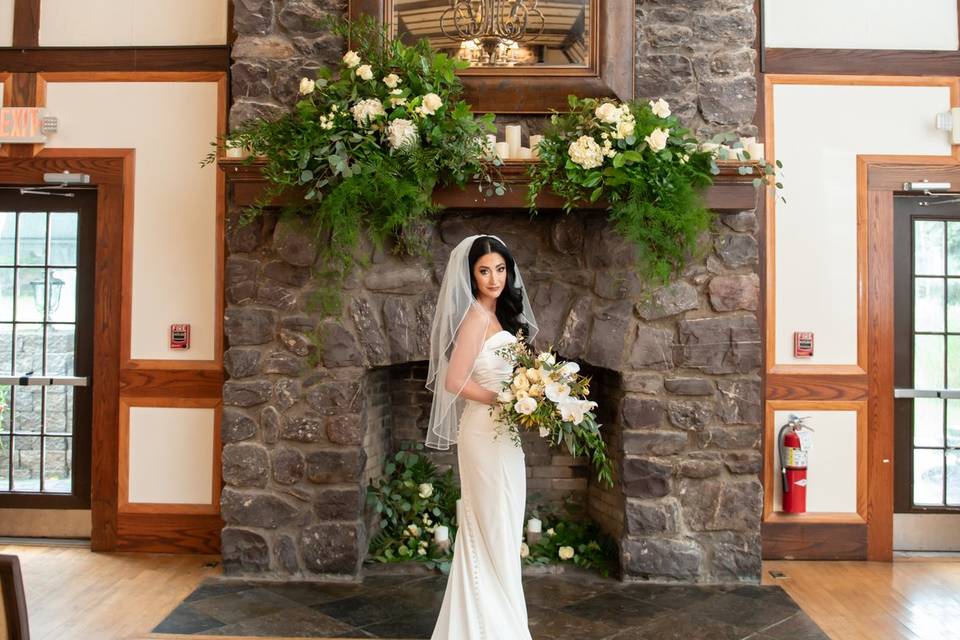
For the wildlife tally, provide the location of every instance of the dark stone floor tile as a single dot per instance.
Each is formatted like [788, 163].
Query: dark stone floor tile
[618, 608]
[186, 619]
[418, 624]
[244, 605]
[677, 597]
[299, 622]
[550, 624]
[213, 587]
[309, 593]
[770, 593]
[369, 608]
[553, 593]
[674, 625]
[797, 627]
[743, 612]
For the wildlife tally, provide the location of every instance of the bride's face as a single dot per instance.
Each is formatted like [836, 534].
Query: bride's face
[490, 275]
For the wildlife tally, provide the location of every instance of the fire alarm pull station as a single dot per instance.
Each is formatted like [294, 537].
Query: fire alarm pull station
[179, 336]
[802, 344]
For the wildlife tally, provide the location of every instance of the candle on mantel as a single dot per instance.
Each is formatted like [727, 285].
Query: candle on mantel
[756, 151]
[491, 143]
[512, 132]
[503, 150]
[535, 145]
[525, 153]
[234, 151]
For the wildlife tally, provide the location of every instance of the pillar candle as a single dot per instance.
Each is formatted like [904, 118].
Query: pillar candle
[513, 139]
[503, 150]
[234, 151]
[756, 151]
[525, 153]
[491, 143]
[534, 525]
[441, 533]
[535, 142]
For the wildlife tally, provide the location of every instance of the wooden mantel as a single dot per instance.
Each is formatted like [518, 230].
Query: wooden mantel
[729, 192]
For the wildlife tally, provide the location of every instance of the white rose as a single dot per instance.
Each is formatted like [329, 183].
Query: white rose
[608, 112]
[421, 551]
[525, 406]
[658, 139]
[431, 102]
[401, 134]
[426, 490]
[547, 357]
[544, 432]
[351, 59]
[366, 110]
[364, 72]
[521, 394]
[307, 86]
[586, 152]
[660, 108]
[625, 128]
[550, 531]
[414, 530]
[520, 382]
[565, 553]
[533, 375]
[558, 391]
[392, 80]
[536, 390]
[524, 550]
[505, 396]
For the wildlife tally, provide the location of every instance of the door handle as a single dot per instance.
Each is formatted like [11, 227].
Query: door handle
[44, 381]
[944, 394]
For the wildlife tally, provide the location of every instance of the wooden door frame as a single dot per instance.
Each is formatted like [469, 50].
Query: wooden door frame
[879, 178]
[111, 171]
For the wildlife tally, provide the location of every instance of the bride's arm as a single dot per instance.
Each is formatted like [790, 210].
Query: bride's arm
[466, 348]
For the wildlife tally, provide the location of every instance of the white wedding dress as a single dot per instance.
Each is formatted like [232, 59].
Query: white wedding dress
[484, 596]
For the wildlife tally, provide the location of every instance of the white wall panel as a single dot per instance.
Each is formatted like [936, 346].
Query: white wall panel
[6, 23]
[832, 471]
[113, 23]
[171, 125]
[818, 131]
[861, 24]
[171, 455]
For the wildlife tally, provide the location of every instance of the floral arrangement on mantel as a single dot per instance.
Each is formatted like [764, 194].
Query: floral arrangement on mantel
[369, 146]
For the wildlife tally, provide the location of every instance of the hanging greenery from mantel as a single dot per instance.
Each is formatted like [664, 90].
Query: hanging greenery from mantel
[368, 146]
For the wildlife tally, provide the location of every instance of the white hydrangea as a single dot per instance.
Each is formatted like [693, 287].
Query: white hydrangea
[657, 140]
[586, 152]
[401, 134]
[366, 110]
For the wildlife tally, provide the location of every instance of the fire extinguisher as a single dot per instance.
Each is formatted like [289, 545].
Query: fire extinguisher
[793, 465]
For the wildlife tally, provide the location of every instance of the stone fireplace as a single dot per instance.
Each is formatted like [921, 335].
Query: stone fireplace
[306, 425]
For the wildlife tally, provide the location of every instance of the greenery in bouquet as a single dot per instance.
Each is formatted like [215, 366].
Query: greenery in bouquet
[367, 143]
[412, 499]
[647, 166]
[550, 396]
[571, 539]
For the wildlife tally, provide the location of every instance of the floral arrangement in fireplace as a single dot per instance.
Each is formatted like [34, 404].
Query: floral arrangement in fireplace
[550, 396]
[647, 166]
[367, 144]
[568, 538]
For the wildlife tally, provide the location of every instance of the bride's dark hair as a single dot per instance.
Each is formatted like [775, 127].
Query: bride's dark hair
[510, 301]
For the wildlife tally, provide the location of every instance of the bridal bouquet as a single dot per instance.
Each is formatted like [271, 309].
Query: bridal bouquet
[550, 396]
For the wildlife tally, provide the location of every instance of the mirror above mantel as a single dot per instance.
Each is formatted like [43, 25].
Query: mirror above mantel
[525, 56]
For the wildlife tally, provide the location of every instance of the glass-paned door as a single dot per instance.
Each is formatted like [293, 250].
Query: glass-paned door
[46, 295]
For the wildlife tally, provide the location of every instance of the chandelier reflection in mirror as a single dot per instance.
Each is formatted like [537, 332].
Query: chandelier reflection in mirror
[500, 33]
[492, 27]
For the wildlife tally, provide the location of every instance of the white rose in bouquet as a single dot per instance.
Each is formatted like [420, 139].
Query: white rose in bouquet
[660, 108]
[401, 134]
[547, 358]
[526, 406]
[565, 553]
[536, 390]
[392, 81]
[505, 396]
[586, 152]
[558, 391]
[520, 381]
[608, 112]
[533, 375]
[426, 490]
[658, 139]
[307, 86]
[351, 59]
[366, 110]
[364, 72]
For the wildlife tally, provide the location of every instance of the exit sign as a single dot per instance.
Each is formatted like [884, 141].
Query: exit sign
[25, 125]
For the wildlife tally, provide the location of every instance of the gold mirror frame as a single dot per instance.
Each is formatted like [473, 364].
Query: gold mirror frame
[610, 71]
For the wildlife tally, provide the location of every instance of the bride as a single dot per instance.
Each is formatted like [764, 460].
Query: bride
[481, 306]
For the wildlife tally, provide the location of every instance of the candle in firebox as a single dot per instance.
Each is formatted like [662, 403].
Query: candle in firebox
[512, 132]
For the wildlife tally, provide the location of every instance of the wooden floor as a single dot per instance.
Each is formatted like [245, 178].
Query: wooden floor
[73, 594]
